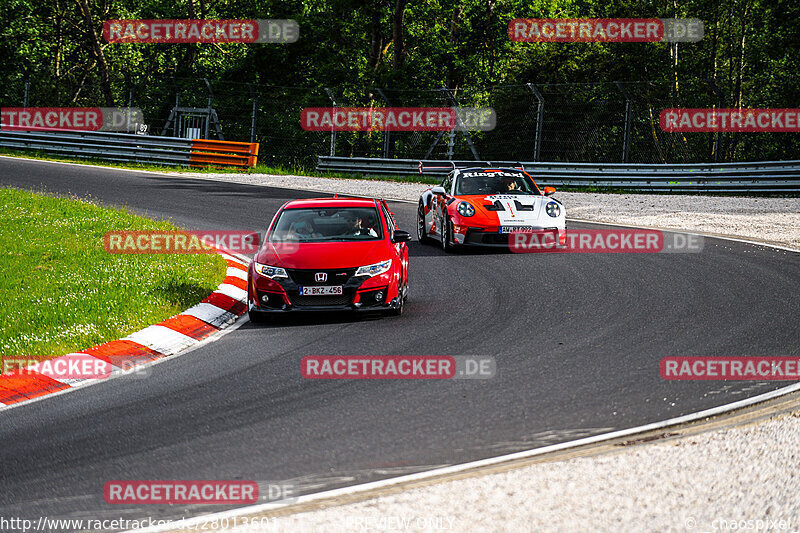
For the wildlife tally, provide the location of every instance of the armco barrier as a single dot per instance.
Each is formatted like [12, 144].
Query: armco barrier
[207, 152]
[753, 177]
[134, 148]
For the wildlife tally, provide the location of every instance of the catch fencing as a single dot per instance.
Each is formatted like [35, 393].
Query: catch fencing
[598, 122]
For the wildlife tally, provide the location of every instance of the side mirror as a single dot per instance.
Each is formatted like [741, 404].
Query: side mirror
[439, 190]
[549, 191]
[401, 236]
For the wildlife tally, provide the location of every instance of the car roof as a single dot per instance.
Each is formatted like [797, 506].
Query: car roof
[330, 202]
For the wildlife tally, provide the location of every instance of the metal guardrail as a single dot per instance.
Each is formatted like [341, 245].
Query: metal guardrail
[224, 153]
[128, 147]
[761, 176]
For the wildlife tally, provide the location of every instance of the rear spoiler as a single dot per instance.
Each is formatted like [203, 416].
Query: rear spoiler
[423, 168]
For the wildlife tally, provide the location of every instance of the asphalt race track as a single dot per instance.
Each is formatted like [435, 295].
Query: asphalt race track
[577, 339]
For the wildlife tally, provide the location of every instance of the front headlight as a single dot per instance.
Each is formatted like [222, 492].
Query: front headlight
[374, 270]
[271, 271]
[465, 209]
[553, 209]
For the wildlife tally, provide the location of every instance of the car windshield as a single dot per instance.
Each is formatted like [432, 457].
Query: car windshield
[502, 182]
[322, 224]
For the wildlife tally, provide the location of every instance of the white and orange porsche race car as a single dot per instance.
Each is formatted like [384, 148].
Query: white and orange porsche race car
[483, 206]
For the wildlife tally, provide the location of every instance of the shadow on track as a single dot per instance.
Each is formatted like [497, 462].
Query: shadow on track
[316, 318]
[434, 249]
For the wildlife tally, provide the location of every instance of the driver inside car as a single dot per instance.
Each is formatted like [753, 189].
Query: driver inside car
[359, 226]
[302, 229]
[510, 185]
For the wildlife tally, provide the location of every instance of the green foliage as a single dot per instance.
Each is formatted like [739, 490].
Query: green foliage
[750, 51]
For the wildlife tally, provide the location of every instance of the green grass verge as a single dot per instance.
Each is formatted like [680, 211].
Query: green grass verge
[61, 292]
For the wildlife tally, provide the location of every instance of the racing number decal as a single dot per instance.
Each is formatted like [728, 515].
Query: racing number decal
[511, 209]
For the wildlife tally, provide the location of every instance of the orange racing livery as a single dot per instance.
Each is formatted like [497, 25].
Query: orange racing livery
[481, 206]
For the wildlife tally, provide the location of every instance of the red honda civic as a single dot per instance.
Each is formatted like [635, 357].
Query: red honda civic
[329, 254]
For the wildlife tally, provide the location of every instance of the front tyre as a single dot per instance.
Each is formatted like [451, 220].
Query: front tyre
[422, 234]
[401, 302]
[447, 236]
[256, 317]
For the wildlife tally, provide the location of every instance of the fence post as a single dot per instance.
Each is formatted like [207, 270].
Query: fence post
[176, 126]
[27, 92]
[537, 143]
[254, 97]
[333, 122]
[386, 133]
[210, 106]
[464, 131]
[720, 103]
[130, 101]
[626, 139]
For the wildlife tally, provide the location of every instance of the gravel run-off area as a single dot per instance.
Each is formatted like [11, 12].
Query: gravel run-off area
[739, 479]
[773, 220]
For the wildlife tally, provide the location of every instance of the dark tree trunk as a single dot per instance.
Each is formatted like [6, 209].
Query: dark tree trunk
[97, 50]
[397, 32]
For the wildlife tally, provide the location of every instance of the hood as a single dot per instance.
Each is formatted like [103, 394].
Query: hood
[322, 255]
[531, 206]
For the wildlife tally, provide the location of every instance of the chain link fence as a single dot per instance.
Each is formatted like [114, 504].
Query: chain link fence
[576, 122]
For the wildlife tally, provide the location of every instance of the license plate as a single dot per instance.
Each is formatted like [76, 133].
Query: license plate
[516, 229]
[324, 290]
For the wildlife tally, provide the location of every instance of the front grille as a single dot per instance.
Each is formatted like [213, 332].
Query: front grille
[339, 276]
[304, 278]
[486, 238]
[310, 301]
